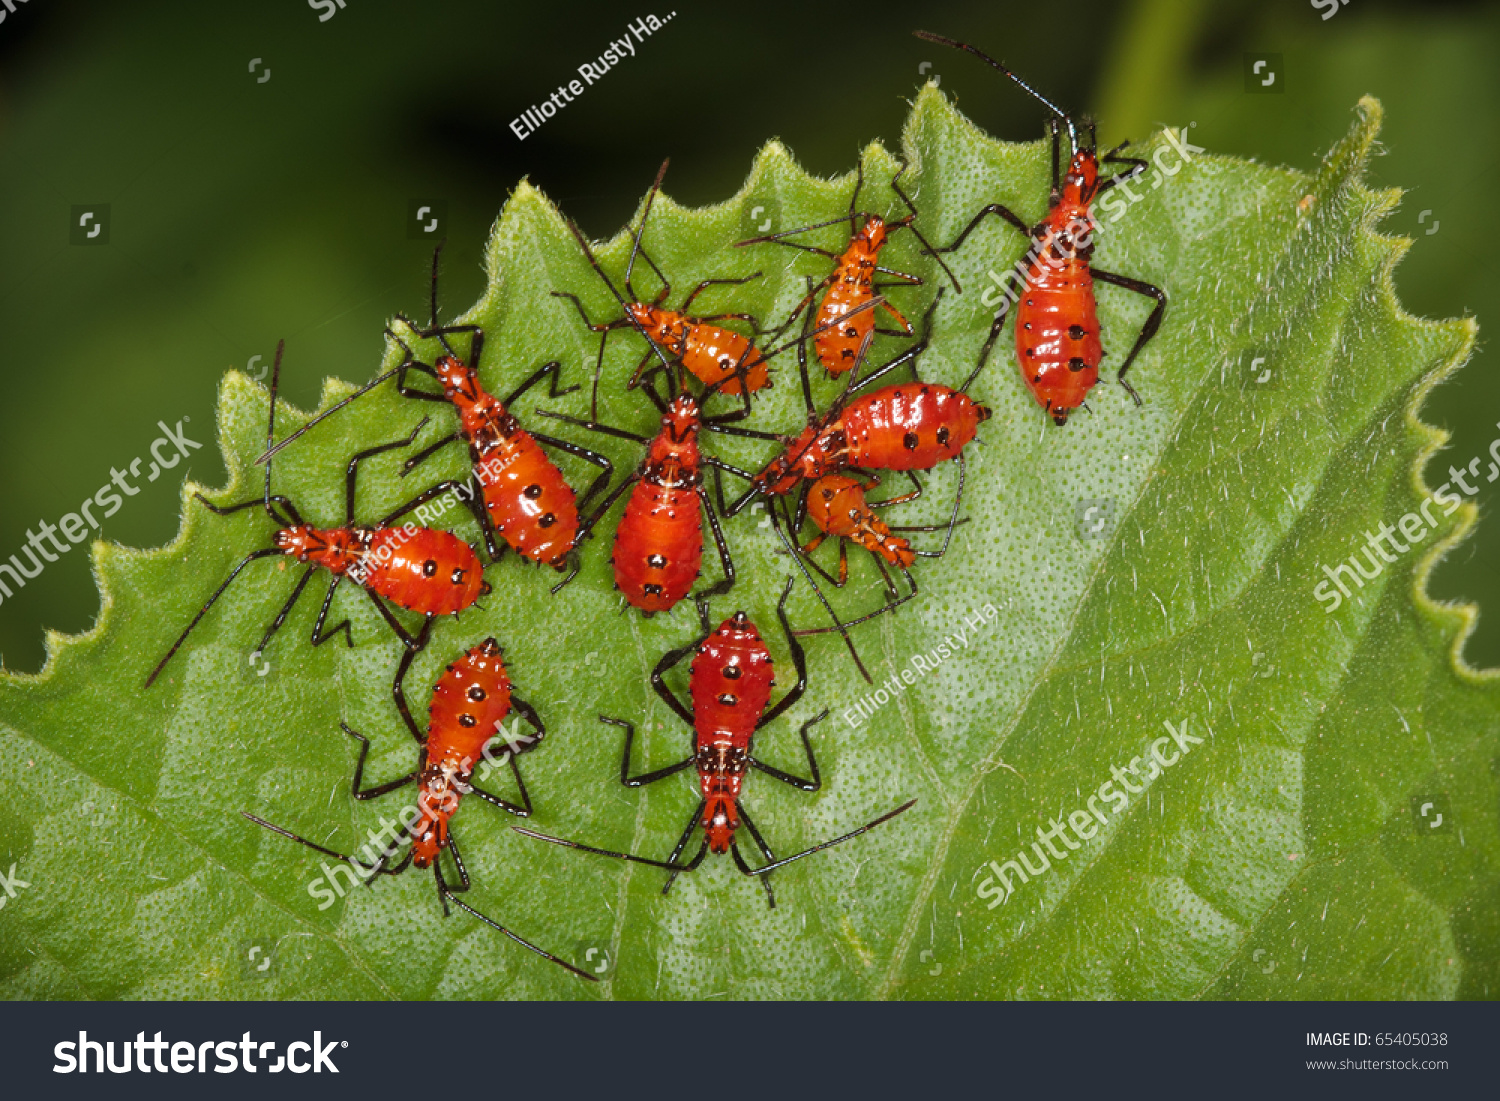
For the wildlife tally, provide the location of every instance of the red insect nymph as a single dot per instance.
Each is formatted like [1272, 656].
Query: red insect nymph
[470, 703]
[416, 568]
[1057, 322]
[730, 684]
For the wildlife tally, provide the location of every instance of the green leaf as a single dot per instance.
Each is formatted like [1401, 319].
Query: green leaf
[1281, 856]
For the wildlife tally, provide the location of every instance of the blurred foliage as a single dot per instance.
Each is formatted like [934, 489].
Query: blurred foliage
[244, 212]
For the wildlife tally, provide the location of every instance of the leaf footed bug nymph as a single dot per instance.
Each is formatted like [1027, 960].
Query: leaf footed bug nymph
[1057, 322]
[852, 283]
[730, 685]
[716, 356]
[416, 568]
[470, 702]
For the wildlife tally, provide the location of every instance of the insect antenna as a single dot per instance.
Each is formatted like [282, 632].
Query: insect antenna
[1062, 115]
[667, 864]
[370, 870]
[624, 306]
[636, 247]
[432, 324]
[784, 861]
[290, 517]
[407, 365]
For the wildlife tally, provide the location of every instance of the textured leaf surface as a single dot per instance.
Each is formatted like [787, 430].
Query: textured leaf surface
[1280, 857]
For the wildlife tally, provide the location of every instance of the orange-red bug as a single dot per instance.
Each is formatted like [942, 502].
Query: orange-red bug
[907, 426]
[658, 551]
[839, 508]
[716, 356]
[851, 283]
[730, 684]
[416, 568]
[470, 703]
[517, 494]
[1057, 323]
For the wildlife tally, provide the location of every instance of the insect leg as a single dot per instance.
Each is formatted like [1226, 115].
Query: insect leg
[471, 493]
[402, 633]
[398, 687]
[591, 425]
[645, 777]
[1138, 165]
[258, 502]
[1148, 330]
[998, 211]
[807, 319]
[687, 834]
[910, 355]
[812, 763]
[553, 369]
[838, 626]
[890, 606]
[521, 810]
[428, 452]
[668, 660]
[716, 466]
[355, 788]
[642, 376]
[760, 843]
[444, 890]
[687, 304]
[800, 516]
[514, 747]
[717, 425]
[318, 637]
[606, 468]
[286, 609]
[843, 578]
[586, 527]
[905, 330]
[528, 713]
[911, 224]
[721, 587]
[891, 592]
[953, 521]
[596, 326]
[903, 498]
[799, 662]
[352, 477]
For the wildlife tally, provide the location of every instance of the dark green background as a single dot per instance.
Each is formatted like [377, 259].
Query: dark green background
[244, 212]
